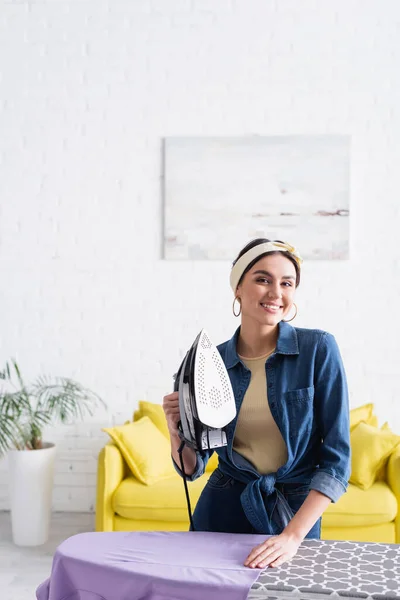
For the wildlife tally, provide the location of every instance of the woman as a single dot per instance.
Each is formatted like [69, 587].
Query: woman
[288, 449]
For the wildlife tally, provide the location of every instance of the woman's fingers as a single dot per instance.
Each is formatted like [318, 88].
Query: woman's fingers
[279, 561]
[273, 552]
[171, 403]
[261, 551]
[171, 409]
[266, 558]
[171, 399]
[253, 555]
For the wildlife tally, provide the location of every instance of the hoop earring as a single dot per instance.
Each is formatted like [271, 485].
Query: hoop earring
[294, 316]
[233, 307]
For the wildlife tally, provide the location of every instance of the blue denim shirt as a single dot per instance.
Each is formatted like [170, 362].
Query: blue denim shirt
[308, 398]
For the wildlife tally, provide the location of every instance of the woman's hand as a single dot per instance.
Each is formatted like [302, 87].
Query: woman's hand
[274, 551]
[172, 414]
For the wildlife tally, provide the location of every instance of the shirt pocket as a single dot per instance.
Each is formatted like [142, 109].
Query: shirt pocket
[220, 481]
[300, 409]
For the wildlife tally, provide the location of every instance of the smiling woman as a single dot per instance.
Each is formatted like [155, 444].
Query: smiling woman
[265, 275]
[288, 449]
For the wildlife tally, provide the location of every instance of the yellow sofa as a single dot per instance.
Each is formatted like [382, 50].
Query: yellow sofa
[124, 503]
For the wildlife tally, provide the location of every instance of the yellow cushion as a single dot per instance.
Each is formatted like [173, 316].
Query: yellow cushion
[363, 413]
[155, 412]
[359, 508]
[212, 463]
[373, 421]
[163, 501]
[145, 449]
[370, 448]
[381, 474]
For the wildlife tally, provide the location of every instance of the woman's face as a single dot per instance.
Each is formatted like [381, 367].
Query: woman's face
[267, 290]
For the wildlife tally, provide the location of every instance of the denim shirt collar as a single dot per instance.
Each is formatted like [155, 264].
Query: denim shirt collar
[287, 344]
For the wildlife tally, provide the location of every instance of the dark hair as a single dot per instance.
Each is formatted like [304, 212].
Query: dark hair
[257, 242]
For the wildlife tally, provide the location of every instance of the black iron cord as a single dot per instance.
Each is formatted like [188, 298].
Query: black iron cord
[180, 450]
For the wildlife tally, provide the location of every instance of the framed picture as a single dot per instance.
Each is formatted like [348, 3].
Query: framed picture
[221, 191]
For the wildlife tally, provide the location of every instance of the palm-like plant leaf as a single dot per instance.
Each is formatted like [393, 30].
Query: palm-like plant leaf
[24, 413]
[64, 399]
[9, 434]
[16, 369]
[6, 374]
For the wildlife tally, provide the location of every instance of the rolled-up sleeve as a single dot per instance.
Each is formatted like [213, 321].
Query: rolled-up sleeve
[332, 412]
[201, 463]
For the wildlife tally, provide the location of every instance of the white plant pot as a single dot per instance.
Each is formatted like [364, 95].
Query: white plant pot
[31, 488]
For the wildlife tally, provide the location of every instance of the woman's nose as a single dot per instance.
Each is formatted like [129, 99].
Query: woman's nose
[274, 291]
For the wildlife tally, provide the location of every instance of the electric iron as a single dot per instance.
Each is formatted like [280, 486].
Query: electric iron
[206, 400]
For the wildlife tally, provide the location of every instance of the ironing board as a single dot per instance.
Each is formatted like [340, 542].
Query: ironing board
[198, 565]
[331, 570]
[155, 565]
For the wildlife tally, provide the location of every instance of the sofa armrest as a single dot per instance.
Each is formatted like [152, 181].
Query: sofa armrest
[393, 479]
[110, 473]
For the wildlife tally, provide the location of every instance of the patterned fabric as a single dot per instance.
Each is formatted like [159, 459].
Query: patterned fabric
[334, 569]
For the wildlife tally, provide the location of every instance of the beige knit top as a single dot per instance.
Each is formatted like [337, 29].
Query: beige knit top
[257, 436]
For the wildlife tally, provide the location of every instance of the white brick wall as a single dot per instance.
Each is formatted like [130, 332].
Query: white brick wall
[88, 90]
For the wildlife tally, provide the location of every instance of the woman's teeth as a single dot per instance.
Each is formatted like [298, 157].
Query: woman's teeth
[270, 306]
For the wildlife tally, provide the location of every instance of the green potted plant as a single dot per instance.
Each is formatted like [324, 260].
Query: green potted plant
[24, 411]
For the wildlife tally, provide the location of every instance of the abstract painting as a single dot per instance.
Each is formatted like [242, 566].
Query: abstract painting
[220, 192]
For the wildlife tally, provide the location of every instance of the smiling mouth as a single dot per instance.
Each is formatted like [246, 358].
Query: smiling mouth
[274, 307]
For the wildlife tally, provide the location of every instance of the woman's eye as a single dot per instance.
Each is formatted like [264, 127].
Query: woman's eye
[264, 280]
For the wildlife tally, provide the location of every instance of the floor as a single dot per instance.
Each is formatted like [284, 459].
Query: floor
[22, 569]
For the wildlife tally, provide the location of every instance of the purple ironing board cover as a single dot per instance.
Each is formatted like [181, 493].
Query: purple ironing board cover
[154, 565]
